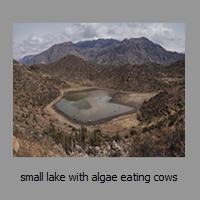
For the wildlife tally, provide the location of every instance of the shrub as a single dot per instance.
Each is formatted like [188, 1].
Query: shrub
[73, 129]
[132, 132]
[126, 136]
[94, 139]
[117, 137]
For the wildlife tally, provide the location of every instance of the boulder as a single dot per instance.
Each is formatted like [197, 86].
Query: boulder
[114, 145]
[97, 149]
[79, 149]
[15, 145]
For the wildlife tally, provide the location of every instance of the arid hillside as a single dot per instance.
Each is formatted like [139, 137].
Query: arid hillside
[157, 129]
[149, 77]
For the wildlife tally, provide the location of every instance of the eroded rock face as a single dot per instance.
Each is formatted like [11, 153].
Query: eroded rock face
[15, 145]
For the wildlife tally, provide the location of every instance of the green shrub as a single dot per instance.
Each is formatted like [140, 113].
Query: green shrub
[117, 137]
[133, 132]
[94, 139]
[145, 129]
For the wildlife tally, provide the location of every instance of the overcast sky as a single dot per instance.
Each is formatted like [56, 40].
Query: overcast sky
[33, 38]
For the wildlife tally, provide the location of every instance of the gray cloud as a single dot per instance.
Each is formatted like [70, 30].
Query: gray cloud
[33, 45]
[78, 32]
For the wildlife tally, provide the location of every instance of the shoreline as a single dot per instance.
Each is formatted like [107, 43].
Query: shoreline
[123, 98]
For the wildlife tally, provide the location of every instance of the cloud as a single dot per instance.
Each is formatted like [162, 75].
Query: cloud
[33, 45]
[166, 38]
[79, 32]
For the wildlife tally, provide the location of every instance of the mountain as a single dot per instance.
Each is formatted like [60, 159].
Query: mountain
[86, 50]
[137, 51]
[108, 52]
[26, 59]
[54, 53]
[99, 43]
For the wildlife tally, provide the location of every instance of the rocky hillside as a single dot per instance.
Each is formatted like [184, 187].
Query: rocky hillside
[72, 69]
[149, 77]
[108, 52]
[31, 89]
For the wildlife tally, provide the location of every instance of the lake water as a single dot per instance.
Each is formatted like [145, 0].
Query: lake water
[91, 106]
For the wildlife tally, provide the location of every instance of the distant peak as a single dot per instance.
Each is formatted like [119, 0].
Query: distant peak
[144, 38]
[63, 43]
[136, 39]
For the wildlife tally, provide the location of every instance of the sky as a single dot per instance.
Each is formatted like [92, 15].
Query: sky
[33, 38]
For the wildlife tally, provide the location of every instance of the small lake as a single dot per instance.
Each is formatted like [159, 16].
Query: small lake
[91, 106]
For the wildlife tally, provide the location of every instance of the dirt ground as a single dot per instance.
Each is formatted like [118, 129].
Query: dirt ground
[131, 99]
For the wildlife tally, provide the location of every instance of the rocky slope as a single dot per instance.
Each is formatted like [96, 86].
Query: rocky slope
[149, 77]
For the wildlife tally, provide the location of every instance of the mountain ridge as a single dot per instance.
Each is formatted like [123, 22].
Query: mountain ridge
[108, 52]
[137, 77]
